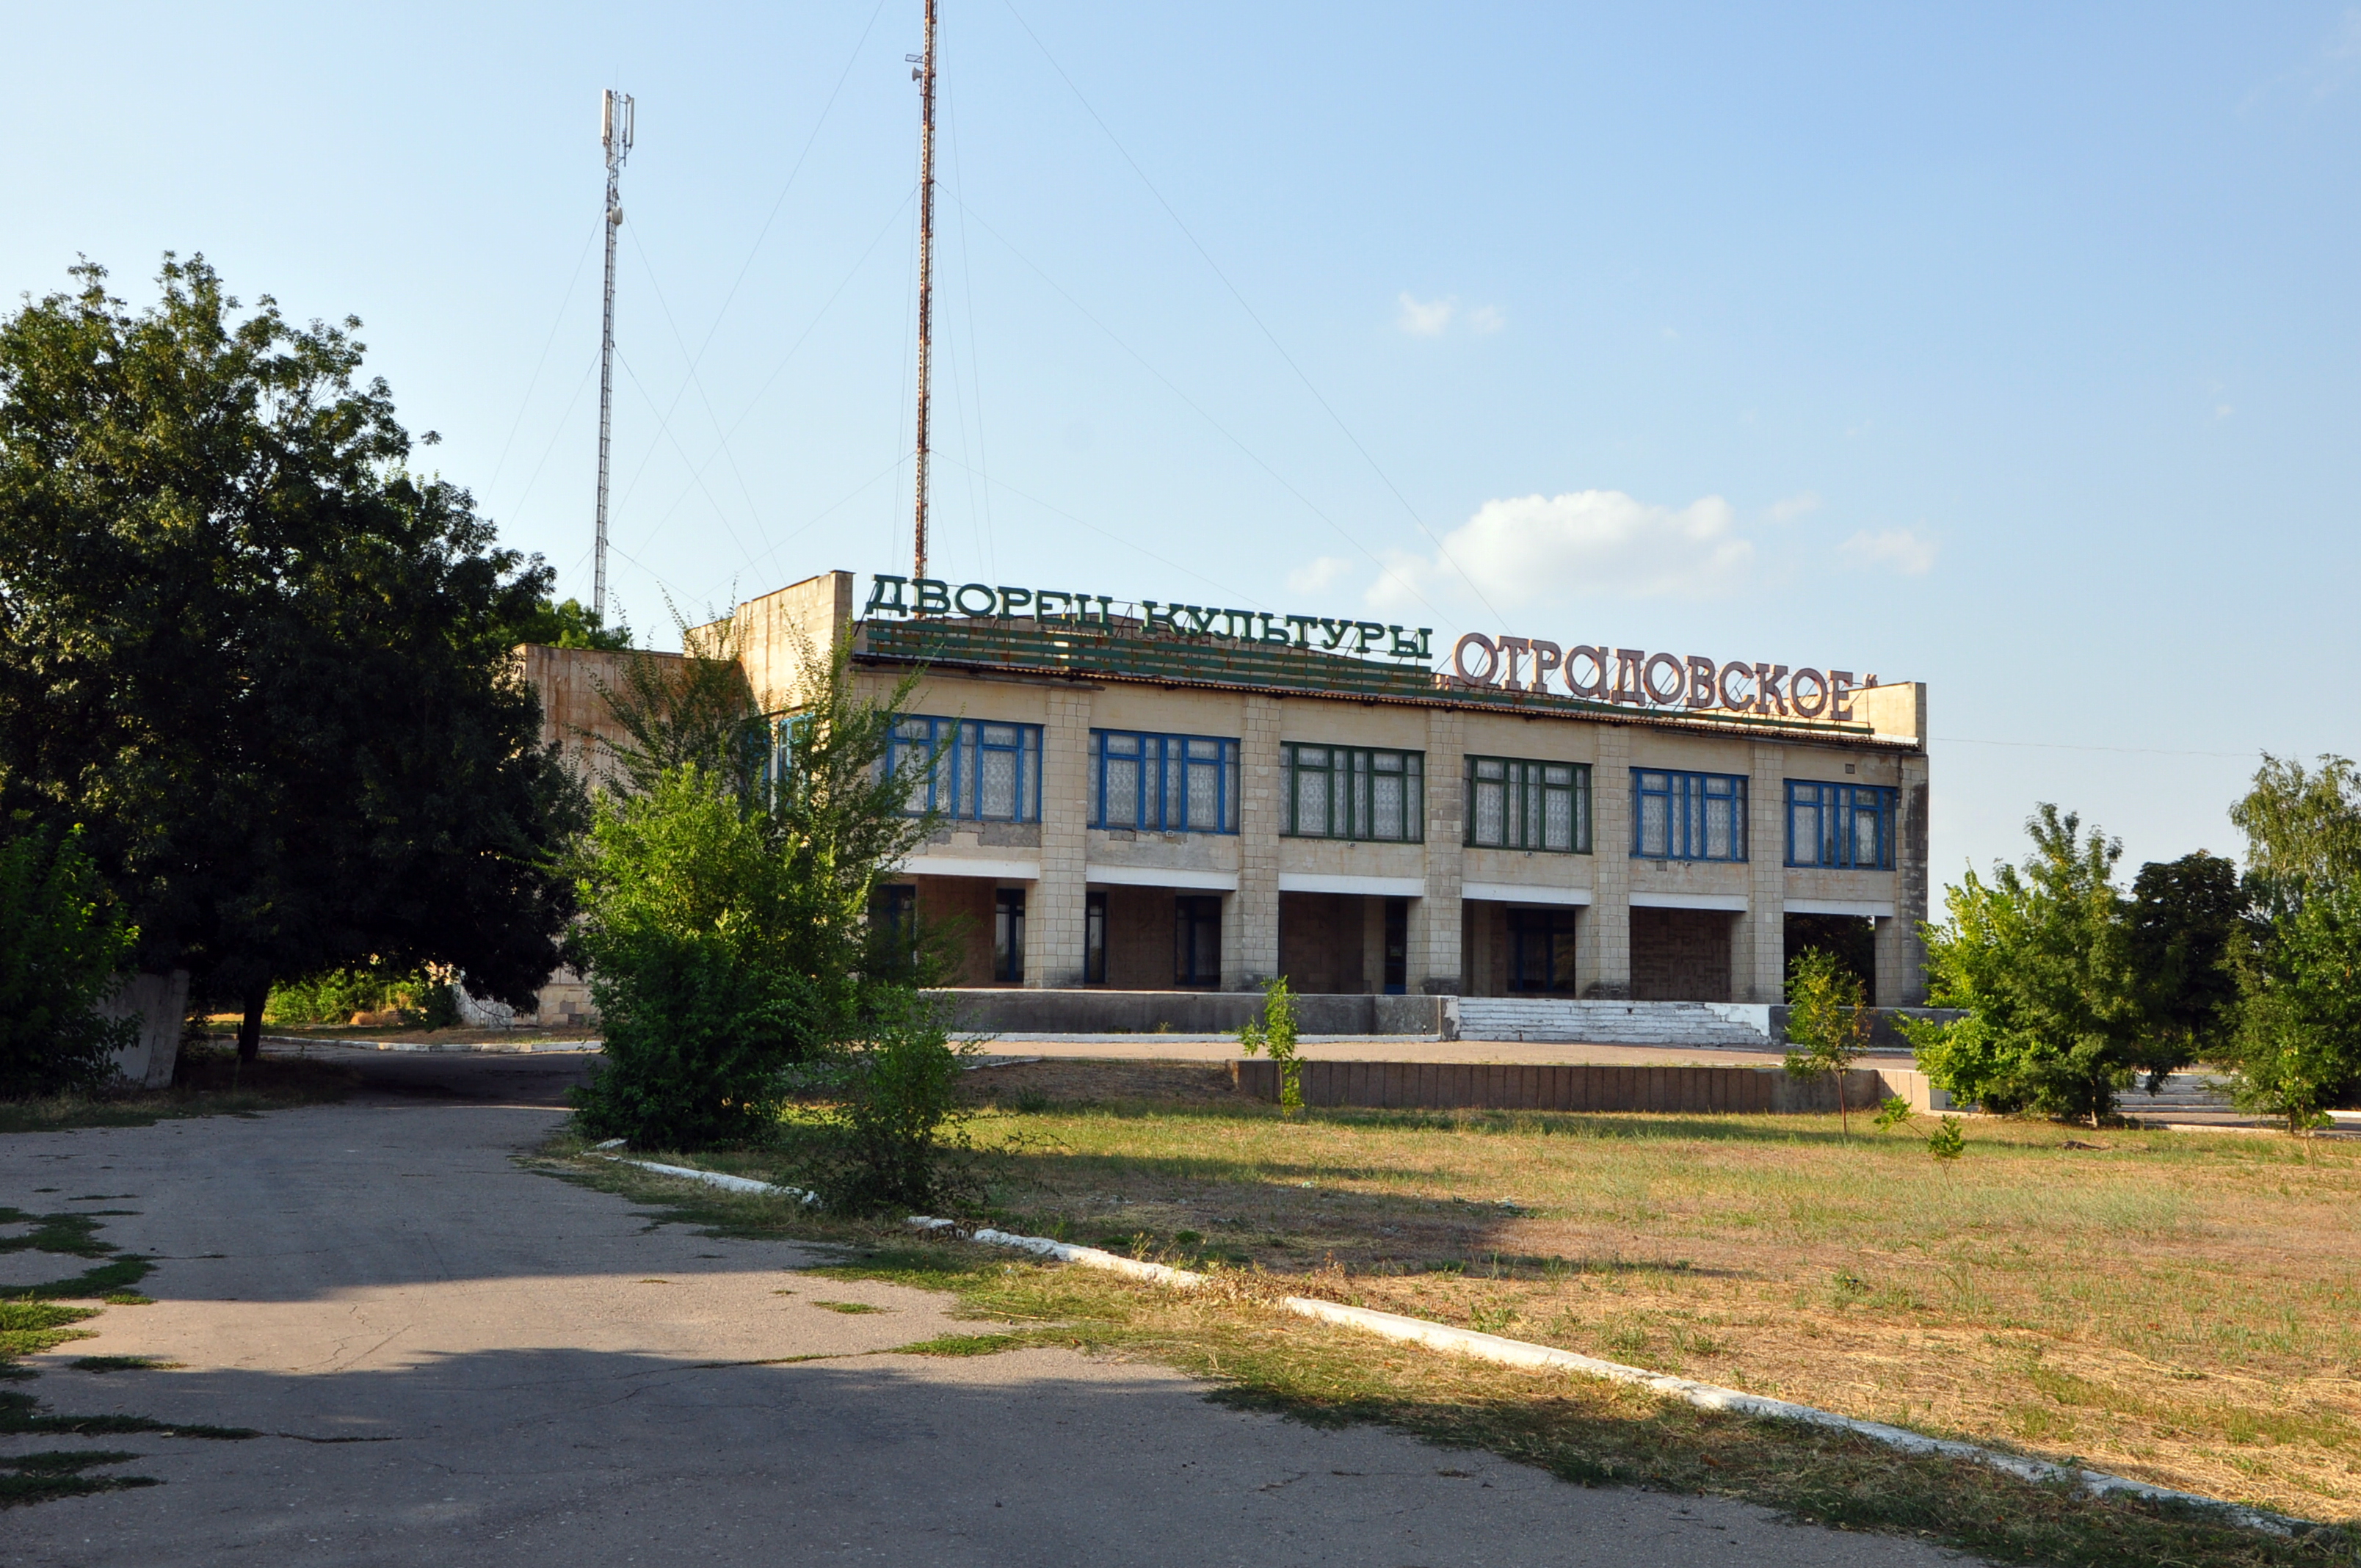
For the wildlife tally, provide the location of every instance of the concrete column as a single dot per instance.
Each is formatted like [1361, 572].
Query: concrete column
[1250, 920]
[1758, 946]
[1602, 933]
[1434, 962]
[1901, 951]
[1054, 904]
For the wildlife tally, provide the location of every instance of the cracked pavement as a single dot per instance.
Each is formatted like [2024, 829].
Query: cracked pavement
[463, 1361]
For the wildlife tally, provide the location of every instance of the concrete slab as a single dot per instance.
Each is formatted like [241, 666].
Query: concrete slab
[464, 1363]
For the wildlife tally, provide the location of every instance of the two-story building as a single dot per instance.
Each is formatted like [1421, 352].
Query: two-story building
[1184, 797]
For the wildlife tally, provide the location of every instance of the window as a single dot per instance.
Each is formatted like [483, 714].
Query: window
[976, 771]
[1841, 825]
[1344, 791]
[893, 909]
[1540, 949]
[1163, 784]
[1397, 977]
[1687, 816]
[1517, 804]
[1008, 936]
[1197, 942]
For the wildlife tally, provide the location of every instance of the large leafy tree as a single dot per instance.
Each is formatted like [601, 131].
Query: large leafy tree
[263, 661]
[2040, 960]
[2188, 922]
[2299, 1039]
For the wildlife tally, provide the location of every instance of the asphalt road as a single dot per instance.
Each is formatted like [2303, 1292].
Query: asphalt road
[463, 1363]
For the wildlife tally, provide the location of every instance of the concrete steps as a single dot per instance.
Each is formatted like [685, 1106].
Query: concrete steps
[1697, 1024]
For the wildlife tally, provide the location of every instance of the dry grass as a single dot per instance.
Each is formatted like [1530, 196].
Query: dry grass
[2177, 1307]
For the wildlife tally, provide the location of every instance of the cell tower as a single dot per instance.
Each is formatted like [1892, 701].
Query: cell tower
[615, 136]
[922, 70]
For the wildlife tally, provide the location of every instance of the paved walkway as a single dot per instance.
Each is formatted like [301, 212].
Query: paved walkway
[464, 1364]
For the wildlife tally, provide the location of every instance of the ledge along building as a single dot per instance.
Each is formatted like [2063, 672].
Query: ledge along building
[1173, 797]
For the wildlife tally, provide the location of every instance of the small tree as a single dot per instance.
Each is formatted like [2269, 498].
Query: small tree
[62, 940]
[1828, 1022]
[1275, 1032]
[2040, 963]
[896, 1112]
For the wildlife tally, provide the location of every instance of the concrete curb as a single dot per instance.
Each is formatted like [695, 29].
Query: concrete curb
[1705, 1396]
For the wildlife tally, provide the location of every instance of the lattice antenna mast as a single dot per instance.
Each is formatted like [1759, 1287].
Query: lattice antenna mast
[922, 70]
[615, 119]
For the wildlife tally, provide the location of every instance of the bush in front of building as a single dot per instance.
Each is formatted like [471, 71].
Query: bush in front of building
[891, 1134]
[63, 941]
[2040, 961]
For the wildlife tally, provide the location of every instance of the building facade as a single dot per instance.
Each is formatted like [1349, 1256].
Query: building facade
[1204, 800]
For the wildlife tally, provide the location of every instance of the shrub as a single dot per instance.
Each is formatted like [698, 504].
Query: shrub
[63, 942]
[1275, 1032]
[889, 1136]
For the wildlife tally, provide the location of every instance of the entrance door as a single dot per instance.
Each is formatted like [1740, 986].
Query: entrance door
[1197, 943]
[1008, 936]
[1540, 949]
[1397, 946]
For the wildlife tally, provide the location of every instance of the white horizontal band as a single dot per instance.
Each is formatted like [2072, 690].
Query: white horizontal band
[1369, 886]
[1161, 876]
[1868, 909]
[965, 865]
[1732, 901]
[1519, 892]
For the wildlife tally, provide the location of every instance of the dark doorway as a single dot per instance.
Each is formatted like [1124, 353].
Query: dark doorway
[1094, 938]
[1397, 946]
[1851, 938]
[1540, 950]
[894, 912]
[1197, 943]
[1008, 936]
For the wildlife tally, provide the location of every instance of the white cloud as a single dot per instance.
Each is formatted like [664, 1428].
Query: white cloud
[1899, 550]
[1432, 318]
[1426, 320]
[1317, 575]
[1801, 504]
[1532, 548]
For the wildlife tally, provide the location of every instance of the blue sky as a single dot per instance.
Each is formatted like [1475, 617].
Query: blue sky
[2010, 348]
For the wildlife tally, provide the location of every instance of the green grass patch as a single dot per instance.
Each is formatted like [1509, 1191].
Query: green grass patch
[43, 1477]
[28, 1328]
[962, 1344]
[122, 1363]
[210, 1081]
[849, 1308]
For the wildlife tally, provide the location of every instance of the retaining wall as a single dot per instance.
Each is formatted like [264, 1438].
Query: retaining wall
[1572, 1087]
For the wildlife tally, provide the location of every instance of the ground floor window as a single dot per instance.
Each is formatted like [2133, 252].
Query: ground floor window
[893, 909]
[1008, 936]
[1540, 950]
[1197, 942]
[1397, 978]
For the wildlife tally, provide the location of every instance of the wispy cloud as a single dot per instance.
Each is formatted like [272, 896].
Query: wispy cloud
[1585, 542]
[1902, 550]
[1315, 575]
[1803, 503]
[1432, 318]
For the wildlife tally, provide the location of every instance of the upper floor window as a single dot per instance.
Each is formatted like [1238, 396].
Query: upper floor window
[1351, 792]
[1841, 825]
[1514, 804]
[1164, 783]
[1687, 816]
[981, 772]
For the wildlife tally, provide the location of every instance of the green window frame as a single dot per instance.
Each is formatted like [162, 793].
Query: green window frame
[1518, 803]
[1354, 791]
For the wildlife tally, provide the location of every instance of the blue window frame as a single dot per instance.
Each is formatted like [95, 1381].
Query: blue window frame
[976, 771]
[1163, 784]
[1841, 825]
[1687, 816]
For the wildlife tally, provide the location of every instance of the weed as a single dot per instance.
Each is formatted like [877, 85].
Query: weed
[849, 1309]
[121, 1363]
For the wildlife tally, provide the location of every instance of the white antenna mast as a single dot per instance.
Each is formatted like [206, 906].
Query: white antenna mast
[922, 70]
[614, 134]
